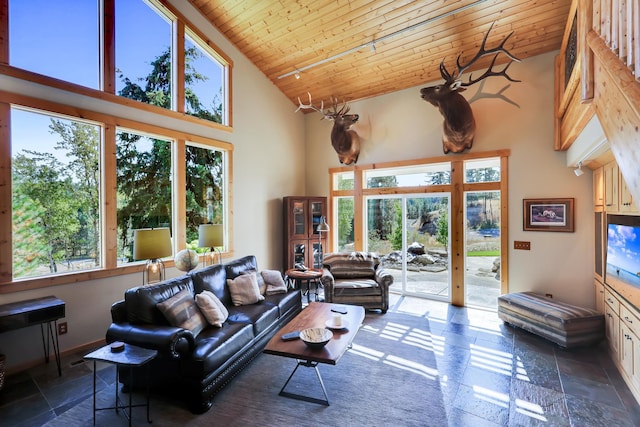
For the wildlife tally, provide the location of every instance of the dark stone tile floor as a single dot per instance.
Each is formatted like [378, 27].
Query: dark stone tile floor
[490, 375]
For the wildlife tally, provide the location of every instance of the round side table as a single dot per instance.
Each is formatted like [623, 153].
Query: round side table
[310, 276]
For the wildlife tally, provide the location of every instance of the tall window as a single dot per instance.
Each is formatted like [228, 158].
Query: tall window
[144, 186]
[55, 194]
[143, 53]
[205, 189]
[56, 38]
[204, 79]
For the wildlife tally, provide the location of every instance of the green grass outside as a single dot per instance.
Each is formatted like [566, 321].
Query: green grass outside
[484, 253]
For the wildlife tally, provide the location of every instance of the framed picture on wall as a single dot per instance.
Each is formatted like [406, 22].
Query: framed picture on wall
[548, 215]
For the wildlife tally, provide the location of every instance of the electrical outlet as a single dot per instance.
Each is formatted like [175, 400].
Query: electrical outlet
[525, 246]
[62, 328]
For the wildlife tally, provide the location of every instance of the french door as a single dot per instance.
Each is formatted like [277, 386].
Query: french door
[411, 235]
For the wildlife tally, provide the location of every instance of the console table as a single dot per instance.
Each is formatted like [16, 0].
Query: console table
[36, 311]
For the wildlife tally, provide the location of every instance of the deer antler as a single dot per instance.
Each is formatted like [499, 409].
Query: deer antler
[344, 109]
[310, 106]
[481, 53]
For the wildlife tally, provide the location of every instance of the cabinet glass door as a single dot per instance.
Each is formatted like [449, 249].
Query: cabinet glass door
[299, 219]
[316, 214]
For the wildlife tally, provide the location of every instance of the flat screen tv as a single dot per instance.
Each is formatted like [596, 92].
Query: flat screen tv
[622, 270]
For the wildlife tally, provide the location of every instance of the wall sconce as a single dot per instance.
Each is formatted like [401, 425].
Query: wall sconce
[210, 236]
[152, 244]
[323, 227]
[578, 171]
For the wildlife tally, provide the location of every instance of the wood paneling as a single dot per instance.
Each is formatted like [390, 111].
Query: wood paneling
[280, 37]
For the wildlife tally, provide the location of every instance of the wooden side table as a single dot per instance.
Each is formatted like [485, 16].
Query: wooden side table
[311, 276]
[132, 357]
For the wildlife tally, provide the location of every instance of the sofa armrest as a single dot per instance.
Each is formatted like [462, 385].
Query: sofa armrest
[119, 312]
[328, 282]
[177, 342]
[383, 278]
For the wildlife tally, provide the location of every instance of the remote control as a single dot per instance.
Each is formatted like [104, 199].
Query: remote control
[291, 336]
[339, 310]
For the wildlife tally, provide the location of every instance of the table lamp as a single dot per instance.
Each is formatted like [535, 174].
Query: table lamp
[323, 227]
[210, 236]
[152, 244]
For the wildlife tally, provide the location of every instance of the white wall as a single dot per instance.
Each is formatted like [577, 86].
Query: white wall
[401, 126]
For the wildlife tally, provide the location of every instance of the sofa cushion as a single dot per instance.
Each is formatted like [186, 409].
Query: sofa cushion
[244, 289]
[213, 279]
[182, 311]
[214, 347]
[354, 264]
[274, 281]
[261, 316]
[212, 308]
[285, 302]
[356, 287]
[142, 301]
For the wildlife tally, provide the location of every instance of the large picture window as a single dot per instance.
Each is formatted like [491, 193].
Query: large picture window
[143, 53]
[56, 38]
[87, 169]
[144, 186]
[55, 194]
[205, 189]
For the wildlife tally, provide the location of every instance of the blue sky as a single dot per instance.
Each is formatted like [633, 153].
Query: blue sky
[623, 249]
[60, 39]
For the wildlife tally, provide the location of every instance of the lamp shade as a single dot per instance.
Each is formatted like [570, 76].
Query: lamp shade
[323, 226]
[210, 236]
[151, 243]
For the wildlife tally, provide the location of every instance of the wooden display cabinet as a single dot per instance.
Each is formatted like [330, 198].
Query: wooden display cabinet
[301, 240]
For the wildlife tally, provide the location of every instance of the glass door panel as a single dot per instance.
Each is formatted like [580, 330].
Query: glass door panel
[299, 219]
[344, 231]
[482, 248]
[411, 235]
[316, 214]
[427, 247]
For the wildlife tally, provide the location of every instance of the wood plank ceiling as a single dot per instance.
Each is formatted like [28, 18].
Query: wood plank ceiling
[282, 36]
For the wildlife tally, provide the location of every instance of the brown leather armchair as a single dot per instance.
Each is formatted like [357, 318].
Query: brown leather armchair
[356, 278]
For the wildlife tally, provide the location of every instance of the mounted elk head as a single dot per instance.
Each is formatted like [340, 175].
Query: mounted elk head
[459, 125]
[344, 140]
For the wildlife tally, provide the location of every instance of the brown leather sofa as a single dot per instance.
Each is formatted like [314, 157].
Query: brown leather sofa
[356, 278]
[196, 367]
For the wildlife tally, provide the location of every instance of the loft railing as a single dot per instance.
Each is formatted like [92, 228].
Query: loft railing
[617, 22]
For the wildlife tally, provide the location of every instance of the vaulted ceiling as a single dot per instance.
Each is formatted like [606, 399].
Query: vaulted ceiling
[355, 49]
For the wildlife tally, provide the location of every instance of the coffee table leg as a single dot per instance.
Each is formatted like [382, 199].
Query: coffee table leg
[306, 364]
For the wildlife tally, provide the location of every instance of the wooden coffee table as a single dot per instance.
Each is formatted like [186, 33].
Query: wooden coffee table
[316, 315]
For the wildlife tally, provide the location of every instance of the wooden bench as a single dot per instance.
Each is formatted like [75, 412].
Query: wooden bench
[564, 324]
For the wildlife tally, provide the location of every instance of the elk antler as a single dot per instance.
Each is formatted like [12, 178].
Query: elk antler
[310, 106]
[481, 53]
[344, 109]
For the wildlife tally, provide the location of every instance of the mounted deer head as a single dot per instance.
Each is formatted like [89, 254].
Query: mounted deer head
[345, 141]
[459, 126]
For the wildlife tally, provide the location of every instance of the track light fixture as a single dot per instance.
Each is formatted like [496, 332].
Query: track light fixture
[578, 171]
[371, 44]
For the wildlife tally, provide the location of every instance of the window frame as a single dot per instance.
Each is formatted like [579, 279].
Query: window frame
[456, 188]
[112, 111]
[110, 125]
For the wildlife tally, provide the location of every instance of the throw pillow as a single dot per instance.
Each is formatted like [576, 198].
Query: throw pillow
[275, 282]
[244, 289]
[212, 308]
[261, 284]
[181, 311]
